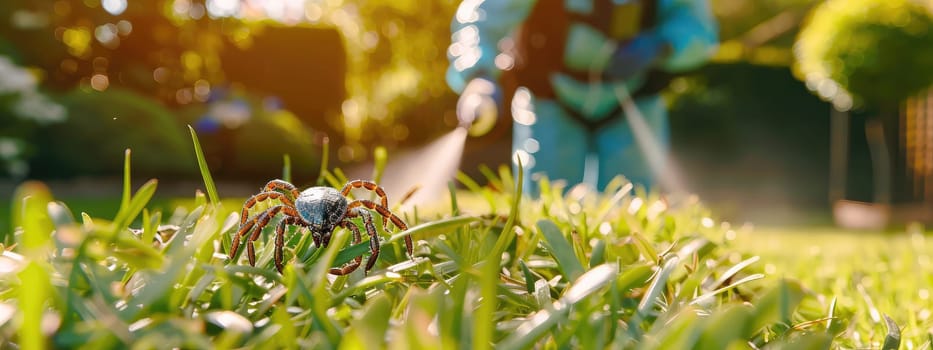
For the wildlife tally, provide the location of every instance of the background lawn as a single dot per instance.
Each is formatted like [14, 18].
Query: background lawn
[869, 273]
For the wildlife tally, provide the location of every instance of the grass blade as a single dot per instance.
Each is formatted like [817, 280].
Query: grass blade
[830, 316]
[892, 340]
[560, 249]
[777, 304]
[136, 205]
[484, 317]
[425, 229]
[657, 286]
[703, 298]
[529, 277]
[724, 328]
[34, 198]
[735, 269]
[205, 172]
[125, 201]
[380, 158]
[325, 159]
[538, 324]
[287, 168]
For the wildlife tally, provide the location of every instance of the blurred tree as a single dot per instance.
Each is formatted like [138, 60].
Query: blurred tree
[175, 49]
[876, 52]
[154, 47]
[405, 45]
[874, 55]
[759, 31]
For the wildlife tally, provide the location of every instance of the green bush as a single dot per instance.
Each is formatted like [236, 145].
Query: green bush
[867, 52]
[103, 125]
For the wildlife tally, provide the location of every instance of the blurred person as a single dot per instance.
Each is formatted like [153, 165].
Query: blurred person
[227, 111]
[560, 65]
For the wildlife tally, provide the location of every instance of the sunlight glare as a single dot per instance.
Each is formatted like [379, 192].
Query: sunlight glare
[114, 7]
[223, 8]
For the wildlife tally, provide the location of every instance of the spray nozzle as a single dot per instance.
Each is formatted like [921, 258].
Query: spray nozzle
[478, 109]
[483, 120]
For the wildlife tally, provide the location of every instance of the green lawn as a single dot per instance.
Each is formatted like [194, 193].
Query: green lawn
[491, 269]
[869, 273]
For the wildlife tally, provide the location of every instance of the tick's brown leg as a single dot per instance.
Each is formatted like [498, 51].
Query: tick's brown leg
[409, 246]
[241, 232]
[369, 185]
[282, 186]
[373, 236]
[280, 240]
[353, 265]
[259, 222]
[252, 201]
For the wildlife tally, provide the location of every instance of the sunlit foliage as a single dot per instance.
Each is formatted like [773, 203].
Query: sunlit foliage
[870, 52]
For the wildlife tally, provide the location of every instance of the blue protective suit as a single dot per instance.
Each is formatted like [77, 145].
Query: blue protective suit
[548, 134]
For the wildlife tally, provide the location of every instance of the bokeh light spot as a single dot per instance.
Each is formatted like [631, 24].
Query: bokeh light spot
[202, 89]
[114, 7]
[222, 8]
[160, 75]
[100, 82]
[532, 145]
[124, 27]
[78, 40]
[184, 96]
[313, 12]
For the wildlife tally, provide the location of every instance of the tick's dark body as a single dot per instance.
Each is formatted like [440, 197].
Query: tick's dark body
[321, 210]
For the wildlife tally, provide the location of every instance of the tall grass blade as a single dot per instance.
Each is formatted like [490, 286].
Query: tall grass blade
[380, 159]
[325, 159]
[831, 315]
[202, 165]
[137, 204]
[484, 321]
[468, 182]
[892, 340]
[127, 179]
[287, 168]
[35, 285]
[35, 288]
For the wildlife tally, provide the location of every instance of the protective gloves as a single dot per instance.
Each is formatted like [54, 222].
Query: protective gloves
[636, 56]
[478, 106]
